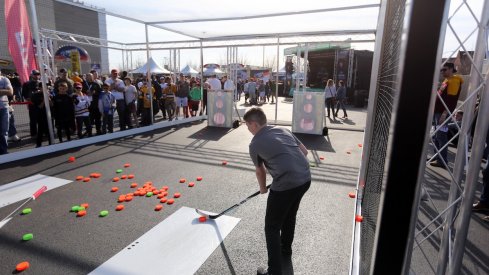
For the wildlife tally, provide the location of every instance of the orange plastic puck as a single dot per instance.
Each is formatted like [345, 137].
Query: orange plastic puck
[22, 266]
[352, 195]
[160, 196]
[158, 207]
[134, 185]
[81, 213]
[86, 179]
[358, 218]
[156, 192]
[127, 165]
[124, 177]
[182, 180]
[199, 178]
[71, 159]
[163, 200]
[170, 201]
[114, 189]
[165, 193]
[176, 195]
[116, 179]
[191, 184]
[97, 175]
[224, 162]
[119, 207]
[129, 198]
[321, 158]
[165, 187]
[85, 205]
[360, 145]
[131, 176]
[79, 178]
[202, 219]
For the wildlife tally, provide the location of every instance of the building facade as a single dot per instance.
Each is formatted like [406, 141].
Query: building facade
[63, 16]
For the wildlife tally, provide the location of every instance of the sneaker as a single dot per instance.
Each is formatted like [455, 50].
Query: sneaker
[14, 138]
[262, 271]
[480, 206]
[486, 219]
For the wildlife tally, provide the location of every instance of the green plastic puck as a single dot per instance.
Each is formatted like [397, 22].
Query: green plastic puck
[27, 237]
[149, 194]
[104, 213]
[118, 171]
[26, 211]
[312, 165]
[81, 208]
[75, 208]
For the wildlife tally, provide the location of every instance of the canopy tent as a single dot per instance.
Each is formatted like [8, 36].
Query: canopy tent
[212, 69]
[153, 68]
[189, 71]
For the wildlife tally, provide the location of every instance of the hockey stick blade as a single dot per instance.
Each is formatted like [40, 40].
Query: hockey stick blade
[213, 217]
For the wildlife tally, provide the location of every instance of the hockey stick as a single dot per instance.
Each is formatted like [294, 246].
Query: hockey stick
[213, 217]
[33, 197]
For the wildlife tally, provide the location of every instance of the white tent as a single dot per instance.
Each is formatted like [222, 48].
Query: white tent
[153, 68]
[212, 71]
[189, 71]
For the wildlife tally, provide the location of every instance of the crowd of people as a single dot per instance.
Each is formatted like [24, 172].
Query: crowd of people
[85, 105]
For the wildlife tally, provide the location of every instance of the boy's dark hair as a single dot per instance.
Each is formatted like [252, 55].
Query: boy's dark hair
[257, 115]
[62, 81]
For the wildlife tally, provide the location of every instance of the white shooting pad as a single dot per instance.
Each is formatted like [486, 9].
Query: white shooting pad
[178, 245]
[26, 187]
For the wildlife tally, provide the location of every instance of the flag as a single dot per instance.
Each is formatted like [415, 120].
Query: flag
[20, 42]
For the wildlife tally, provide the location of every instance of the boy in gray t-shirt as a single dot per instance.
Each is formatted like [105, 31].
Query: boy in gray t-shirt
[284, 156]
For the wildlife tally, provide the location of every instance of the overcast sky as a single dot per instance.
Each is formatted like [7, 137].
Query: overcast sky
[154, 10]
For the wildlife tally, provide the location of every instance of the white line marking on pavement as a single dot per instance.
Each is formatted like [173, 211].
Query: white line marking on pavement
[178, 245]
[24, 188]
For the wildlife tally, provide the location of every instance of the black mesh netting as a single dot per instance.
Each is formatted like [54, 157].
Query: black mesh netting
[386, 91]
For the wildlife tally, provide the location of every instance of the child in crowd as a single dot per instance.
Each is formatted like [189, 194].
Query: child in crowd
[195, 97]
[106, 106]
[64, 111]
[82, 102]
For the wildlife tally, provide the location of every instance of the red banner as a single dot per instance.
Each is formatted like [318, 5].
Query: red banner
[20, 38]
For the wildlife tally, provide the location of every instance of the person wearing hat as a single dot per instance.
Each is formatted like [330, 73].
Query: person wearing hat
[6, 90]
[63, 76]
[448, 94]
[82, 112]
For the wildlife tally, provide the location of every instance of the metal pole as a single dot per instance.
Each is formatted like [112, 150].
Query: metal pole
[460, 157]
[306, 53]
[276, 79]
[462, 224]
[35, 28]
[298, 68]
[122, 53]
[149, 84]
[202, 75]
